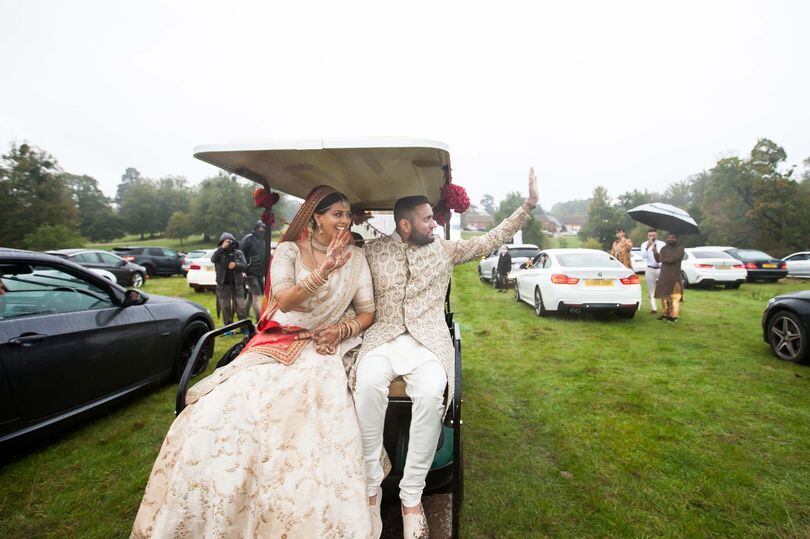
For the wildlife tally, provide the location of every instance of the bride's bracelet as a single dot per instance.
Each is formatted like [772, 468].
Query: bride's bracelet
[349, 329]
[312, 282]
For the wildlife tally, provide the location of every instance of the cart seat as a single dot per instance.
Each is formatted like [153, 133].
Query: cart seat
[397, 389]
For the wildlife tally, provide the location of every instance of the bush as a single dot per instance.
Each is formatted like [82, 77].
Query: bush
[52, 237]
[592, 243]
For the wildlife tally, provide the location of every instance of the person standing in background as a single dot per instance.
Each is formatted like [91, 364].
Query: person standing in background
[621, 248]
[230, 265]
[648, 250]
[504, 267]
[253, 247]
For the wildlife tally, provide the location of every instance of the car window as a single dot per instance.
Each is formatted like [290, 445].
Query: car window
[109, 258]
[751, 254]
[796, 258]
[711, 254]
[154, 251]
[86, 258]
[587, 260]
[529, 252]
[170, 253]
[195, 254]
[47, 290]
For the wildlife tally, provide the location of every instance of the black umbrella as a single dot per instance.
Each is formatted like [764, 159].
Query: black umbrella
[664, 217]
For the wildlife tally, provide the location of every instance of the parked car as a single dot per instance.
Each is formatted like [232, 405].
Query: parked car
[189, 256]
[761, 266]
[576, 280]
[202, 275]
[786, 326]
[639, 265]
[156, 260]
[71, 342]
[708, 266]
[126, 273]
[106, 274]
[798, 264]
[488, 266]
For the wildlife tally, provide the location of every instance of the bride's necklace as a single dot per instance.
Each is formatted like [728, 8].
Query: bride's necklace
[316, 246]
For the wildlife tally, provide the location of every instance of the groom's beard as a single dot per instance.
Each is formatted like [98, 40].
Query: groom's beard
[418, 238]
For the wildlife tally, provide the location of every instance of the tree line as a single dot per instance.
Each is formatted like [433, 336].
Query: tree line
[754, 202]
[45, 207]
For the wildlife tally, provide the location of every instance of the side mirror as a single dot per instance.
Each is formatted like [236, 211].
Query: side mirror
[133, 297]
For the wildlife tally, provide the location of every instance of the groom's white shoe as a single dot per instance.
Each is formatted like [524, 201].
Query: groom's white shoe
[414, 525]
[376, 517]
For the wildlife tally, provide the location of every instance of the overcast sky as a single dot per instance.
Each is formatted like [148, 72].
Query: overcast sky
[623, 94]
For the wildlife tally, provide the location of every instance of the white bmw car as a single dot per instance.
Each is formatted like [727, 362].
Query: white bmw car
[708, 266]
[201, 272]
[798, 264]
[577, 280]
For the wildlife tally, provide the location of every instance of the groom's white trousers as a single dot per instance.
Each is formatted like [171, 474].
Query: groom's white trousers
[425, 382]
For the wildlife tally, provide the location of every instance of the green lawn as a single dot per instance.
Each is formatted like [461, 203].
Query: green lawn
[587, 427]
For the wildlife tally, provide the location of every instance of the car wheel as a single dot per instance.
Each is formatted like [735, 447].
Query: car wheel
[788, 337]
[539, 306]
[150, 270]
[137, 279]
[191, 335]
[732, 286]
[684, 280]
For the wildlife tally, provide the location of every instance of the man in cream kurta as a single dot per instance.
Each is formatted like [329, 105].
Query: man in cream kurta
[409, 337]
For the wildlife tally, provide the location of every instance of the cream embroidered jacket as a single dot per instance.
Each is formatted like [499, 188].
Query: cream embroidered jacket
[410, 284]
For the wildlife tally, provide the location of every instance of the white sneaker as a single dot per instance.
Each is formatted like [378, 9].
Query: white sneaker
[415, 526]
[376, 517]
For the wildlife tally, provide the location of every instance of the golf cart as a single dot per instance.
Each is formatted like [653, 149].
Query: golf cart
[373, 174]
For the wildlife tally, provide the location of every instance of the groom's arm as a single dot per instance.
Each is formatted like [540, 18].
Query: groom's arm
[461, 251]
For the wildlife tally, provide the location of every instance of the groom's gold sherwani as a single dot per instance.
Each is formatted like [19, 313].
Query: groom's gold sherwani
[410, 284]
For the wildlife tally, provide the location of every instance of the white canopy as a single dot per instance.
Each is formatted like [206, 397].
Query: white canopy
[371, 172]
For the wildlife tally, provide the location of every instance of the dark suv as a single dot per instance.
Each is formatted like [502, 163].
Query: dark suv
[156, 260]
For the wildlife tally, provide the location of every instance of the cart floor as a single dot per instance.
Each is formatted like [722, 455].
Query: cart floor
[439, 510]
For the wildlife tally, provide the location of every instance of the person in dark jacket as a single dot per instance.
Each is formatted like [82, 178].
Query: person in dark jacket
[230, 265]
[253, 246]
[504, 267]
[668, 287]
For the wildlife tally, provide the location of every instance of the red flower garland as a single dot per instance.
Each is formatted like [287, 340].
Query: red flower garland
[264, 199]
[454, 197]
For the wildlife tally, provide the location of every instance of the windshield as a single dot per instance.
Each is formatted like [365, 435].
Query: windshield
[588, 260]
[751, 254]
[711, 254]
[524, 252]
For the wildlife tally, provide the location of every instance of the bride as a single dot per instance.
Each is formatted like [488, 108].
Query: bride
[269, 446]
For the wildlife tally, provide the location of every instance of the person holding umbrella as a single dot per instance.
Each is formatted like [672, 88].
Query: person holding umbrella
[669, 288]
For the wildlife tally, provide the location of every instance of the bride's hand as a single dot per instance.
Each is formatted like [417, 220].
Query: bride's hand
[336, 254]
[326, 336]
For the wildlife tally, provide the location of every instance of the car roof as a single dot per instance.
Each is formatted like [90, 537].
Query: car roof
[32, 257]
[572, 250]
[521, 246]
[69, 252]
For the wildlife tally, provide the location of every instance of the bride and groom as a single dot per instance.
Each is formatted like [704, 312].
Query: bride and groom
[287, 440]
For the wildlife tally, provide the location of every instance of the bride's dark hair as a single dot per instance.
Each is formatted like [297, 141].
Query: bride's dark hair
[328, 200]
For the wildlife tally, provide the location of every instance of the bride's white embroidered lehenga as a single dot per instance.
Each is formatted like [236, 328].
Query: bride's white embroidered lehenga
[265, 449]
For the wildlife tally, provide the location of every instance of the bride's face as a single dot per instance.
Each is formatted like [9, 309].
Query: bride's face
[336, 217]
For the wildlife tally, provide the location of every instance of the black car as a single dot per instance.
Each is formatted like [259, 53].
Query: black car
[127, 273]
[71, 341]
[785, 325]
[761, 266]
[156, 260]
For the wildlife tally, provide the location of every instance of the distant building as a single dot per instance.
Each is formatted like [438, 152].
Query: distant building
[572, 224]
[476, 219]
[550, 223]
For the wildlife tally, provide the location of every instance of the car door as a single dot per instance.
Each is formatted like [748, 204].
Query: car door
[116, 266]
[64, 342]
[173, 261]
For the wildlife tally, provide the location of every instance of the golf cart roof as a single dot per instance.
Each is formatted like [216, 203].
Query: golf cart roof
[372, 172]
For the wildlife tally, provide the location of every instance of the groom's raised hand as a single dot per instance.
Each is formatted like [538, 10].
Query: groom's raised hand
[531, 200]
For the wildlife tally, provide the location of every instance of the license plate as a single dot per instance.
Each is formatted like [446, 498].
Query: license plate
[210, 269]
[768, 265]
[598, 282]
[723, 267]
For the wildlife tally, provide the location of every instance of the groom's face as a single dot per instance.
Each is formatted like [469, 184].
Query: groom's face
[422, 225]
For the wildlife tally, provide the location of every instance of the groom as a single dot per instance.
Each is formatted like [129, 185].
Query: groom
[409, 338]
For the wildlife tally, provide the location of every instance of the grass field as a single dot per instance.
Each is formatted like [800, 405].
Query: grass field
[588, 427]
